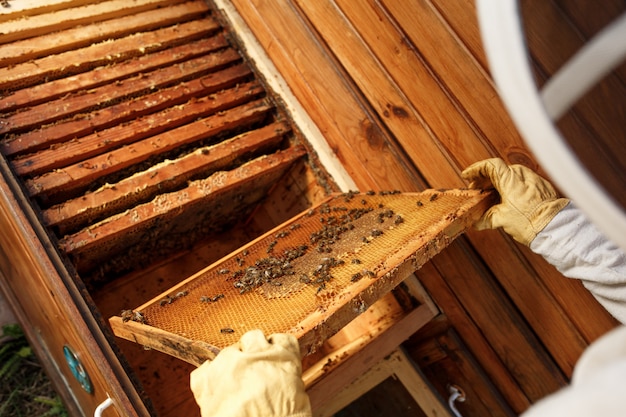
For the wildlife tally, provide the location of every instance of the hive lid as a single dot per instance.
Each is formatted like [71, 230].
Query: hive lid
[308, 277]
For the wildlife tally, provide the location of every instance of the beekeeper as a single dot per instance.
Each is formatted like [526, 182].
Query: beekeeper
[262, 376]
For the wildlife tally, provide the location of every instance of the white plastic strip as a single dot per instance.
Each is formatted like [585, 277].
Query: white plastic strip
[595, 60]
[505, 48]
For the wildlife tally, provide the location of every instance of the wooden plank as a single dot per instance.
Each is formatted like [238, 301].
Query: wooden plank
[54, 66]
[497, 368]
[381, 89]
[28, 26]
[184, 209]
[446, 362]
[530, 365]
[310, 74]
[462, 18]
[86, 101]
[118, 114]
[350, 362]
[78, 37]
[160, 178]
[465, 84]
[57, 184]
[589, 19]
[88, 80]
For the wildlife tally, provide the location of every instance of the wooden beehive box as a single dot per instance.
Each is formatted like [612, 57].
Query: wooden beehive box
[144, 141]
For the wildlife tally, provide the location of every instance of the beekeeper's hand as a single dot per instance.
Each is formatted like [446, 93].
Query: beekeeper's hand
[528, 202]
[256, 377]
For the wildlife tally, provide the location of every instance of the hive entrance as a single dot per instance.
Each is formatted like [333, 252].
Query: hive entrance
[308, 277]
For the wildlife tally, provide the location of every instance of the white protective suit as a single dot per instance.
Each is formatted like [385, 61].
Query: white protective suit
[577, 249]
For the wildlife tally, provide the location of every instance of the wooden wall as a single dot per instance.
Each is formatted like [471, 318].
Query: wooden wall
[402, 93]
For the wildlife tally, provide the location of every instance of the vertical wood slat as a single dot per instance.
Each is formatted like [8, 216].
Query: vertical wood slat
[381, 88]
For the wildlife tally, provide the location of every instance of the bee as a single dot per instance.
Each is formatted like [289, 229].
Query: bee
[376, 232]
[245, 252]
[355, 261]
[295, 226]
[356, 277]
[398, 220]
[138, 317]
[166, 300]
[419, 203]
[181, 294]
[270, 247]
[371, 192]
[217, 297]
[281, 234]
[127, 315]
[434, 197]
[226, 330]
[369, 273]
[205, 299]
[223, 271]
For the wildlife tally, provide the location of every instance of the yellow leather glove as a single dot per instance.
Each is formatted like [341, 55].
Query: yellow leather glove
[256, 377]
[528, 202]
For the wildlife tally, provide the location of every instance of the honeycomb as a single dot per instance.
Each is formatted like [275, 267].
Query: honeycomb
[314, 273]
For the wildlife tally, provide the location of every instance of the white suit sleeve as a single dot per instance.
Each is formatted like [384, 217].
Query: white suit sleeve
[579, 250]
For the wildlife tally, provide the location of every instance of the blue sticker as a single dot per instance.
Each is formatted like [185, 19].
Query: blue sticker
[77, 369]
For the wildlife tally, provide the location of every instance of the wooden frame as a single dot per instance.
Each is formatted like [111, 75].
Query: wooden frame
[397, 365]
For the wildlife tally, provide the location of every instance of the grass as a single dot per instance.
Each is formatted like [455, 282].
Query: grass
[25, 390]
